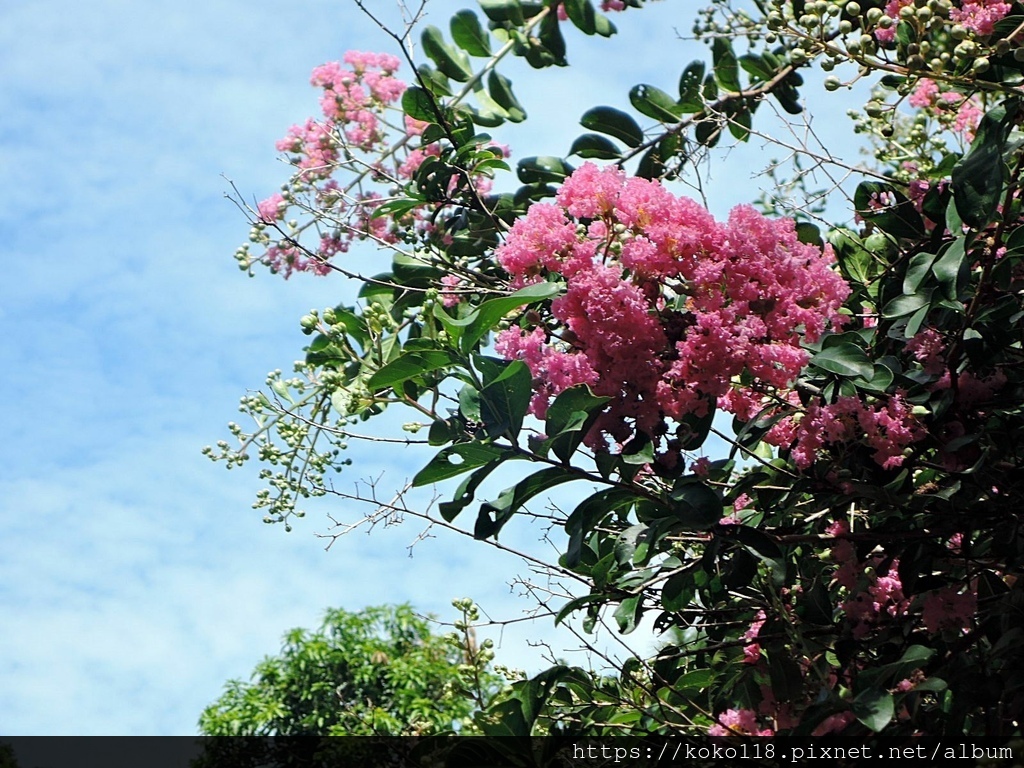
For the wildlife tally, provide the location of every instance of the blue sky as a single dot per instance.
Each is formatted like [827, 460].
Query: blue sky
[134, 576]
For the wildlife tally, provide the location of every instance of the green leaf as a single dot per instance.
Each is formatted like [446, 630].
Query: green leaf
[603, 26]
[855, 261]
[888, 209]
[887, 675]
[570, 417]
[463, 496]
[697, 428]
[654, 102]
[436, 83]
[613, 122]
[543, 170]
[788, 97]
[396, 209]
[582, 14]
[726, 67]
[486, 115]
[410, 365]
[977, 180]
[651, 166]
[628, 541]
[575, 604]
[914, 658]
[697, 505]
[504, 402]
[469, 403]
[456, 459]
[639, 451]
[628, 614]
[494, 514]
[677, 593]
[808, 233]
[469, 35]
[951, 267]
[418, 104]
[594, 145]
[845, 359]
[698, 679]
[589, 513]
[533, 695]
[881, 378]
[738, 119]
[690, 87]
[549, 46]
[323, 351]
[490, 113]
[905, 305]
[707, 132]
[413, 271]
[905, 34]
[502, 11]
[919, 269]
[474, 326]
[874, 708]
[282, 391]
[757, 67]
[504, 719]
[710, 92]
[933, 684]
[490, 367]
[451, 61]
[501, 91]
[762, 546]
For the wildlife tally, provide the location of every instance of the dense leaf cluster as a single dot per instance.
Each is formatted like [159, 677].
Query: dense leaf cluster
[853, 564]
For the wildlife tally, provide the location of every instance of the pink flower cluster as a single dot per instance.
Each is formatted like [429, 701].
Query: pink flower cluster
[353, 102]
[949, 609]
[664, 307]
[872, 594]
[752, 652]
[356, 135]
[888, 428]
[883, 597]
[945, 608]
[968, 110]
[979, 16]
[739, 722]
[352, 99]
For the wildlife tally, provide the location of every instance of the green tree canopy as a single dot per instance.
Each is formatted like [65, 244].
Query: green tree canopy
[380, 671]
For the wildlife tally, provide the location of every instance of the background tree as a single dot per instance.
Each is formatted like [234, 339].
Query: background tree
[852, 564]
[377, 672]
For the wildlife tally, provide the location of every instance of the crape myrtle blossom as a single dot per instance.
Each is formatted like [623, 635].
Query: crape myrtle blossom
[739, 722]
[362, 135]
[978, 16]
[968, 110]
[888, 428]
[664, 307]
[875, 591]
